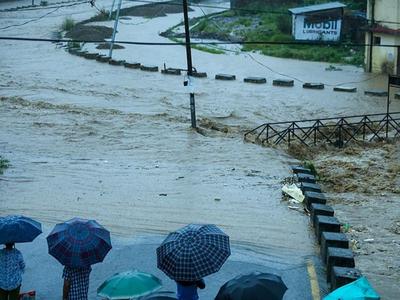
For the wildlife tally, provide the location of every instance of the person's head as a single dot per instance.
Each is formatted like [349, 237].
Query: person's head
[9, 246]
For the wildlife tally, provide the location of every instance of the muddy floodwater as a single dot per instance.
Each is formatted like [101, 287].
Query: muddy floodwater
[98, 141]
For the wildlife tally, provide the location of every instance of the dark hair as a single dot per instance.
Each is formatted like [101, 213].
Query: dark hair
[9, 245]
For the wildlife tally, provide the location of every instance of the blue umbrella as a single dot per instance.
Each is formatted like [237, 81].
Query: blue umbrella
[79, 243]
[18, 229]
[360, 289]
[193, 252]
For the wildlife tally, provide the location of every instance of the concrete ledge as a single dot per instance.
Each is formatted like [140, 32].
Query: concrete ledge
[171, 71]
[313, 197]
[346, 89]
[259, 80]
[325, 223]
[338, 257]
[376, 93]
[311, 187]
[332, 239]
[313, 86]
[341, 276]
[149, 68]
[73, 51]
[302, 177]
[134, 65]
[115, 62]
[225, 77]
[320, 209]
[300, 169]
[283, 82]
[103, 59]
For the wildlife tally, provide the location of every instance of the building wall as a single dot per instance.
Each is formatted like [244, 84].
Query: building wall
[384, 58]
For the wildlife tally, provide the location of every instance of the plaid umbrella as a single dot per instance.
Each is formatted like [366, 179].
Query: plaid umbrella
[253, 286]
[79, 243]
[193, 252]
[18, 229]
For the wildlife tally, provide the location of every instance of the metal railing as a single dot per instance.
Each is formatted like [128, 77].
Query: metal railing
[338, 131]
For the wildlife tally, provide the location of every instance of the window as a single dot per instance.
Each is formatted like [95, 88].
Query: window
[377, 40]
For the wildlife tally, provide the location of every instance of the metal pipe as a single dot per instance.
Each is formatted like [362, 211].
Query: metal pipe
[115, 29]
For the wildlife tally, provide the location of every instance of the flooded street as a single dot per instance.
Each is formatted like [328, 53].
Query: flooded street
[98, 141]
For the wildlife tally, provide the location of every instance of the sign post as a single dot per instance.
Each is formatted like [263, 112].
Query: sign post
[394, 81]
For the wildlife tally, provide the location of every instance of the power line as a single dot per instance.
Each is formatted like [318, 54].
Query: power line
[333, 44]
[42, 16]
[277, 12]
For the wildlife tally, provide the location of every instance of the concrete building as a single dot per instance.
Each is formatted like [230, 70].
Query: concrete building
[384, 29]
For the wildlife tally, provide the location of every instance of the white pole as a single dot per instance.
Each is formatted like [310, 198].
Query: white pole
[115, 29]
[111, 10]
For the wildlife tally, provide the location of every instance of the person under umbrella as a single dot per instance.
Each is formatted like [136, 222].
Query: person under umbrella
[12, 267]
[77, 244]
[14, 229]
[191, 253]
[253, 286]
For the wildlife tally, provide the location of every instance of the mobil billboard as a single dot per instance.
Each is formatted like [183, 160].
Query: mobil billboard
[305, 28]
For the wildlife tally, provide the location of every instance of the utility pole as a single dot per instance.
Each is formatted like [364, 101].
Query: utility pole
[189, 62]
[111, 10]
[115, 29]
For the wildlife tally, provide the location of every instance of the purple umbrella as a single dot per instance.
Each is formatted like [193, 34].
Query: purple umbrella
[79, 243]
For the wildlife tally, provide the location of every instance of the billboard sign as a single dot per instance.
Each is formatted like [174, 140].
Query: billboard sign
[316, 30]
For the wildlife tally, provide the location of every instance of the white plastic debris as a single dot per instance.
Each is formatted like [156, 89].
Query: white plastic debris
[294, 192]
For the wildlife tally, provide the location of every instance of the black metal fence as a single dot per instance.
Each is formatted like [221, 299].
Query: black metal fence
[338, 131]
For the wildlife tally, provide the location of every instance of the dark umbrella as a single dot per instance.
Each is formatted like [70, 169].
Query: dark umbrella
[193, 252]
[159, 296]
[253, 286]
[18, 229]
[79, 243]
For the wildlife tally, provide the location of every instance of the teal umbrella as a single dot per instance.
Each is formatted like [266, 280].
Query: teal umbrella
[127, 285]
[356, 290]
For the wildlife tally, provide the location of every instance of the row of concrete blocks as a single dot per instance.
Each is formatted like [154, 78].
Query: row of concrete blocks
[334, 245]
[175, 71]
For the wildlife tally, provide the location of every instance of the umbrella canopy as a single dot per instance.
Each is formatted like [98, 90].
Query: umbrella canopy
[79, 243]
[253, 286]
[127, 285]
[360, 289]
[159, 296]
[193, 252]
[18, 229]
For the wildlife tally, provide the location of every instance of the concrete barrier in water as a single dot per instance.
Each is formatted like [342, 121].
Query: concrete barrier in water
[199, 74]
[338, 257]
[311, 187]
[341, 276]
[347, 89]
[283, 82]
[326, 223]
[376, 93]
[225, 77]
[91, 55]
[332, 239]
[397, 95]
[320, 209]
[301, 177]
[313, 197]
[258, 80]
[134, 65]
[171, 71]
[103, 58]
[300, 169]
[149, 68]
[115, 62]
[313, 86]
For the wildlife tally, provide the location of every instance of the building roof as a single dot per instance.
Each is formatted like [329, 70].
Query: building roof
[318, 7]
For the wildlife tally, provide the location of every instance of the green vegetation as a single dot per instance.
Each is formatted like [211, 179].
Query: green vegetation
[210, 49]
[274, 28]
[68, 24]
[4, 164]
